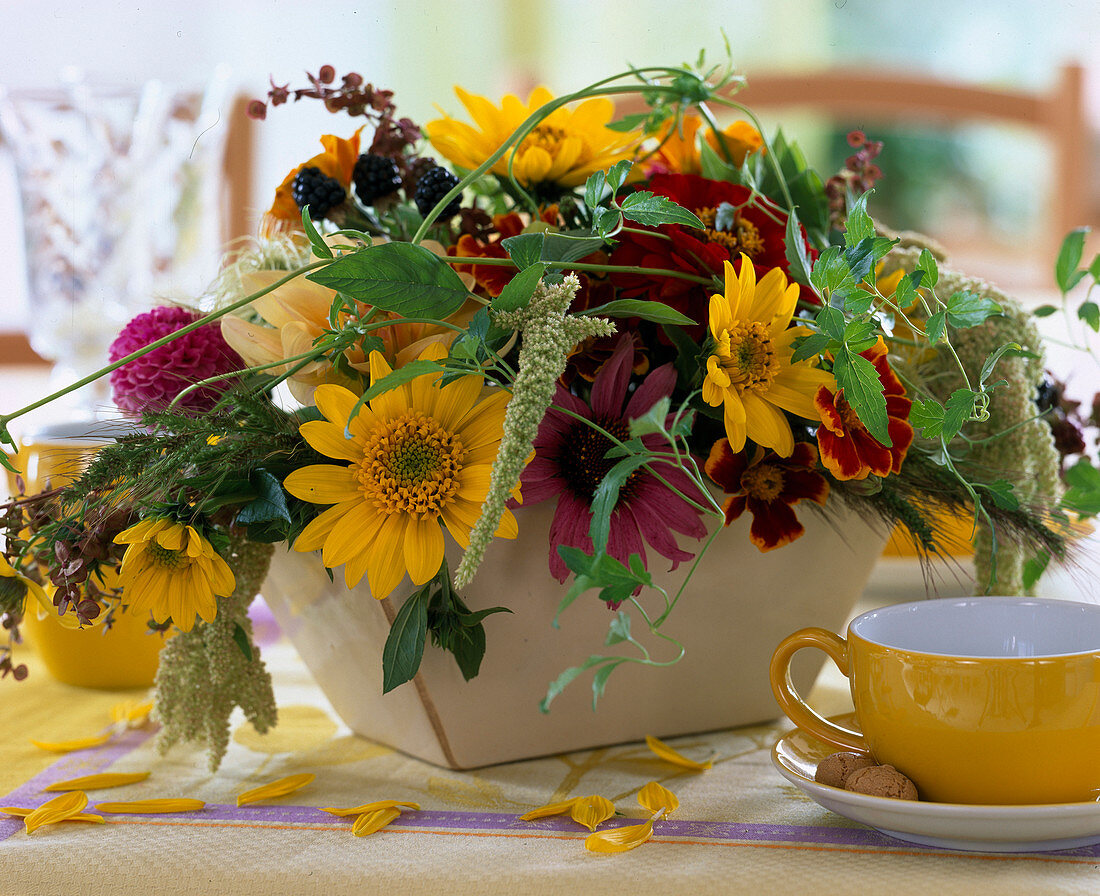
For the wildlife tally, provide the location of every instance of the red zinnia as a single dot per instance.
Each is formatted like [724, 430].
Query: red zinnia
[848, 450]
[569, 464]
[768, 486]
[751, 231]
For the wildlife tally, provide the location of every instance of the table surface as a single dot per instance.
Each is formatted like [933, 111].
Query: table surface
[740, 826]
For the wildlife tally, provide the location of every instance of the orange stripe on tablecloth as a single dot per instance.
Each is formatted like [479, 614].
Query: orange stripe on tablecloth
[917, 853]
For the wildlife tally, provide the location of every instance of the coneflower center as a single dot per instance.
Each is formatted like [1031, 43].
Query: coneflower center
[582, 461]
[763, 482]
[545, 137]
[746, 353]
[411, 465]
[165, 557]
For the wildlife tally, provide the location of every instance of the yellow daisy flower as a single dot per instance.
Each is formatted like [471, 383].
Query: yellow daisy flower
[566, 146]
[750, 372]
[172, 571]
[417, 456]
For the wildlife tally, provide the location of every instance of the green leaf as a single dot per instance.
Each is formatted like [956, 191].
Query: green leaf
[1066, 274]
[956, 411]
[831, 271]
[566, 247]
[968, 309]
[241, 639]
[1083, 492]
[525, 249]
[927, 263]
[861, 259]
[1089, 312]
[646, 208]
[399, 377]
[468, 649]
[798, 261]
[566, 678]
[926, 415]
[936, 326]
[607, 496]
[593, 189]
[518, 291]
[617, 174]
[1045, 310]
[831, 321]
[858, 301]
[1011, 349]
[599, 680]
[607, 221]
[404, 648]
[470, 619]
[810, 346]
[1034, 568]
[629, 123]
[654, 311]
[860, 335]
[269, 506]
[320, 248]
[1094, 268]
[859, 226]
[652, 421]
[1002, 494]
[619, 629]
[399, 277]
[863, 391]
[906, 290]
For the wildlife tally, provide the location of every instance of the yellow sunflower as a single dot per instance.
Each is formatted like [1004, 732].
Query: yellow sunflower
[172, 571]
[418, 456]
[563, 149]
[750, 372]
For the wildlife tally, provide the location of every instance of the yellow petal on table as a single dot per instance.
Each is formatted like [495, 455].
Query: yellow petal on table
[665, 752]
[653, 797]
[370, 807]
[99, 782]
[550, 809]
[621, 839]
[591, 811]
[275, 789]
[369, 822]
[150, 807]
[19, 812]
[68, 746]
[132, 712]
[58, 809]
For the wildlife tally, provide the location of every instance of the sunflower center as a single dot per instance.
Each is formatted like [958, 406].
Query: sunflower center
[165, 557]
[583, 464]
[411, 465]
[545, 137]
[763, 482]
[750, 359]
[742, 237]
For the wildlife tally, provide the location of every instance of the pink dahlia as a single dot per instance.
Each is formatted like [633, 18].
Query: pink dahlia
[569, 464]
[153, 380]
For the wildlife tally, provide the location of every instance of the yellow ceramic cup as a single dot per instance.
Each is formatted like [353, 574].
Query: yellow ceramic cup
[985, 700]
[126, 655]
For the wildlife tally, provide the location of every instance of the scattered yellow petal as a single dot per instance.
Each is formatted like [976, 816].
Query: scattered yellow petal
[23, 813]
[665, 752]
[371, 807]
[591, 811]
[369, 822]
[67, 746]
[549, 809]
[275, 789]
[133, 713]
[58, 809]
[99, 782]
[621, 839]
[653, 797]
[150, 807]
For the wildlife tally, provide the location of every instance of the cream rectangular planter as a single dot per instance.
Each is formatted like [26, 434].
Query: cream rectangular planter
[736, 609]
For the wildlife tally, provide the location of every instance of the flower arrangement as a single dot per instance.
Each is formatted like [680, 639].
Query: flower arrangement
[652, 320]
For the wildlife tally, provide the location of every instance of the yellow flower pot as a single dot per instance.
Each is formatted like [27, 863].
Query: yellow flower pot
[738, 607]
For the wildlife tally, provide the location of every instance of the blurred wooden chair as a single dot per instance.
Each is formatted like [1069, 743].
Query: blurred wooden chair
[1056, 115]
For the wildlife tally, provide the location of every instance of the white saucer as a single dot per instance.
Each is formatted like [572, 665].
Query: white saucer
[948, 825]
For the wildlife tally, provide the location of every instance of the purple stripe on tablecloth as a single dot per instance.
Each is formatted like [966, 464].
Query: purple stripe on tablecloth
[76, 764]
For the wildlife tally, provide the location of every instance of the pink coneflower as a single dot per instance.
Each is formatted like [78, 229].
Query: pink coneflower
[569, 464]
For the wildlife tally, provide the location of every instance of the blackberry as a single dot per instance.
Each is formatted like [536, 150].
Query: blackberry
[433, 186]
[375, 177]
[319, 191]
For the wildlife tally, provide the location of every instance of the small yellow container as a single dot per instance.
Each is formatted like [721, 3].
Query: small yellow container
[127, 654]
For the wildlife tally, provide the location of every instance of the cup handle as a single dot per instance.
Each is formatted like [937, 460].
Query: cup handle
[793, 705]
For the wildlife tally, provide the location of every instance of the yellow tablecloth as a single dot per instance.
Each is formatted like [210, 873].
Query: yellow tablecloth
[740, 828]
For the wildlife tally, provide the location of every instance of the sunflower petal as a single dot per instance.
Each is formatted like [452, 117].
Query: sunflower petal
[549, 809]
[275, 789]
[370, 807]
[98, 782]
[369, 822]
[591, 811]
[619, 839]
[80, 743]
[55, 810]
[665, 752]
[655, 798]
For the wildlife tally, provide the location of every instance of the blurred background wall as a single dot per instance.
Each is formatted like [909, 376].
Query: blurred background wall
[945, 181]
